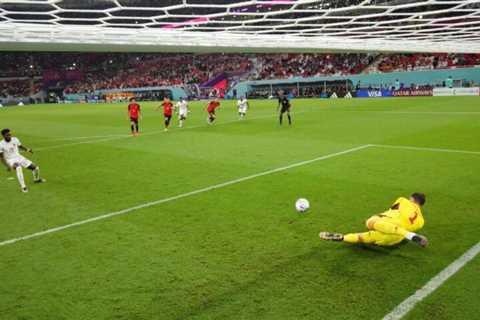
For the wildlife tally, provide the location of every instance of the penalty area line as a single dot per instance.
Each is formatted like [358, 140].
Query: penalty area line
[408, 304]
[425, 149]
[180, 196]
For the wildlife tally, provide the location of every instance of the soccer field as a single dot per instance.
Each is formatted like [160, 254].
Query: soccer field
[199, 222]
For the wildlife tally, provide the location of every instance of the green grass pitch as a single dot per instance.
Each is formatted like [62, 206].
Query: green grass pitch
[239, 251]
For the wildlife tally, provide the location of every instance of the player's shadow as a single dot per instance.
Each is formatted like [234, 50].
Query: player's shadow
[361, 247]
[378, 252]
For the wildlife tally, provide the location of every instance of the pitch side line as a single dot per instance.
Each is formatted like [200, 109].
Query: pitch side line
[415, 112]
[126, 136]
[180, 196]
[425, 149]
[407, 305]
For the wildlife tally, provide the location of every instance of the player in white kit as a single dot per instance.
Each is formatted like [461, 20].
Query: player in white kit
[182, 106]
[242, 107]
[12, 159]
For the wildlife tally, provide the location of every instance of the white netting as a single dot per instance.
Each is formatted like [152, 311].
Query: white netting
[396, 25]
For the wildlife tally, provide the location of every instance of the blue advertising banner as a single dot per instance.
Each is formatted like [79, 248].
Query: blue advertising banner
[374, 93]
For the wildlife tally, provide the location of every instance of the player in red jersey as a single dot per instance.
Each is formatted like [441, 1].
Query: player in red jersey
[167, 111]
[134, 115]
[212, 105]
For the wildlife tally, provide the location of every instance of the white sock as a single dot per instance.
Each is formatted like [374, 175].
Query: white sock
[410, 235]
[20, 178]
[36, 173]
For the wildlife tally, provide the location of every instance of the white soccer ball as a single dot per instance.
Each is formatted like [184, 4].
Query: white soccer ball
[302, 205]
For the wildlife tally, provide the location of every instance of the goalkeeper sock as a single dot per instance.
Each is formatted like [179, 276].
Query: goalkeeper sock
[364, 237]
[351, 238]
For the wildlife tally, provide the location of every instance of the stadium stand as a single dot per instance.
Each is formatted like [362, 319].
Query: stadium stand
[413, 62]
[25, 74]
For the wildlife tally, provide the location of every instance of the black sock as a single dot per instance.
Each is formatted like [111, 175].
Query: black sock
[136, 128]
[132, 127]
[289, 119]
[281, 118]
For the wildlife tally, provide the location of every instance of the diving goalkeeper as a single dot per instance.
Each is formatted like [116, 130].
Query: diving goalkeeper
[399, 222]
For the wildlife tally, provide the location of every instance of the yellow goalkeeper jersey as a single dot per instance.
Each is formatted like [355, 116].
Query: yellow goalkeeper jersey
[406, 213]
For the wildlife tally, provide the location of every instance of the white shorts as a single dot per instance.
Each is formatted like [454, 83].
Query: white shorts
[22, 161]
[242, 110]
[182, 114]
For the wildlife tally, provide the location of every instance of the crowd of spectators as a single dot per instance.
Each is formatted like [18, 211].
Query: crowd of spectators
[150, 70]
[95, 71]
[19, 88]
[122, 70]
[281, 66]
[417, 61]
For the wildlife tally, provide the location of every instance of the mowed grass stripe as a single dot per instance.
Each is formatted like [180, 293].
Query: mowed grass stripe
[179, 196]
[148, 133]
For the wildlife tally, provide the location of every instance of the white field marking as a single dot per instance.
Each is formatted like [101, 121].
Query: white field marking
[80, 143]
[117, 137]
[89, 137]
[180, 196]
[155, 131]
[416, 112]
[425, 149]
[407, 305]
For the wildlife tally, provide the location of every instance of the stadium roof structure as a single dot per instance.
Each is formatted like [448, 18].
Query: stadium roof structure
[242, 26]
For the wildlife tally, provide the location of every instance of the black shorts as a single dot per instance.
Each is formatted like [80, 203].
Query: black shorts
[283, 110]
[134, 120]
